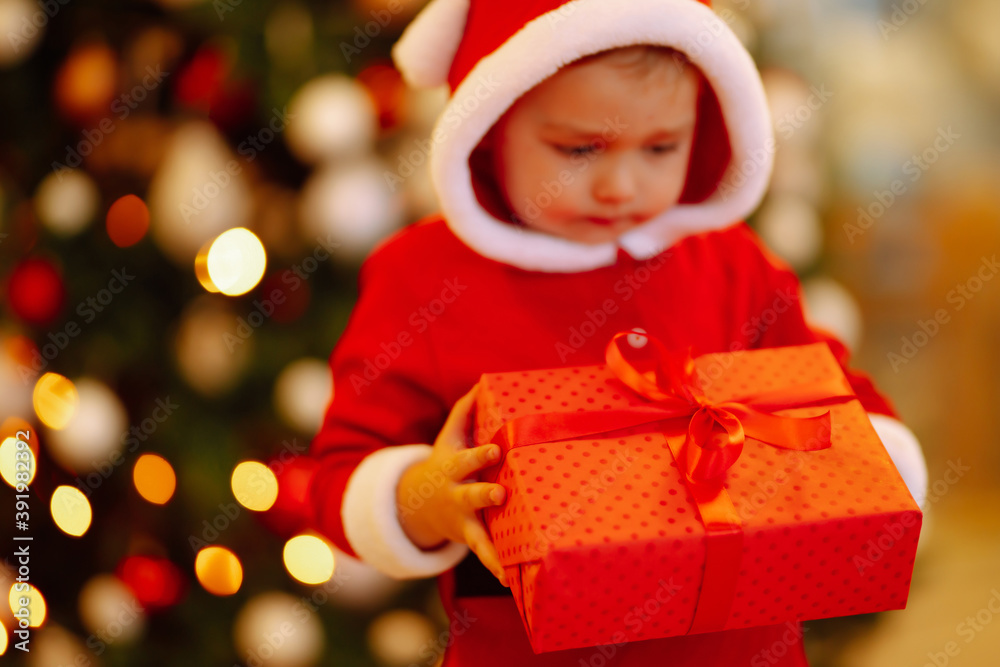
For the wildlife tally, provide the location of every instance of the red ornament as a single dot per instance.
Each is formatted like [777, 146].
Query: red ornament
[233, 107]
[156, 582]
[127, 221]
[291, 288]
[292, 511]
[386, 87]
[201, 79]
[35, 291]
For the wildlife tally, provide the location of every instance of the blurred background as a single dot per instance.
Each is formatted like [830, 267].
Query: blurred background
[187, 189]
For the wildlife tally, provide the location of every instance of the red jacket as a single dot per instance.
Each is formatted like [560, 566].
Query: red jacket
[433, 315]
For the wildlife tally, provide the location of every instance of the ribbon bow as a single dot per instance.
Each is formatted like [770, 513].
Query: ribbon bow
[717, 431]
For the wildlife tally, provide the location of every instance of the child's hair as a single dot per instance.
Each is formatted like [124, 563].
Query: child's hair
[642, 59]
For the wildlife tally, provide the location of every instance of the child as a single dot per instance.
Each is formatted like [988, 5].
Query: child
[588, 184]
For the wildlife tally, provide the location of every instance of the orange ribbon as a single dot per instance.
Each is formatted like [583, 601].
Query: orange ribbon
[716, 432]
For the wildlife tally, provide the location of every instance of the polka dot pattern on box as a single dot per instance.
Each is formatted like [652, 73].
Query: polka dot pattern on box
[600, 535]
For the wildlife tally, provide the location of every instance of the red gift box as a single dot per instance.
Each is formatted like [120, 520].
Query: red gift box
[658, 495]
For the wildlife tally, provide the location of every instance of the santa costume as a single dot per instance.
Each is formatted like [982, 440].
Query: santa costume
[469, 291]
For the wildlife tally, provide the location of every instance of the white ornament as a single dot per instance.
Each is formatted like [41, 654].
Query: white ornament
[110, 611]
[790, 226]
[829, 306]
[54, 645]
[797, 171]
[330, 117]
[94, 432]
[66, 201]
[198, 192]
[795, 107]
[22, 24]
[358, 586]
[213, 343]
[351, 205]
[400, 637]
[277, 630]
[302, 393]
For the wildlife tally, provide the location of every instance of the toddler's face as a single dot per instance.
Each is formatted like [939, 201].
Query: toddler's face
[597, 149]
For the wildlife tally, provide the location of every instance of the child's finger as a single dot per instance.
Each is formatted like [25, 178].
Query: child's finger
[469, 461]
[481, 544]
[454, 430]
[477, 495]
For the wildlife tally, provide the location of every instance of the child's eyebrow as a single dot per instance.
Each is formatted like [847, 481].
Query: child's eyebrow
[672, 133]
[571, 129]
[568, 128]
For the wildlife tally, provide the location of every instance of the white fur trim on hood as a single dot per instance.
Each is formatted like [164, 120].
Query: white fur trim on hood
[538, 50]
[424, 52]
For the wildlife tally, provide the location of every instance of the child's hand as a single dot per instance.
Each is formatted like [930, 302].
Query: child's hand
[449, 512]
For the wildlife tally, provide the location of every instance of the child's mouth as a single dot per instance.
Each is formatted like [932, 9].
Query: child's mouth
[624, 220]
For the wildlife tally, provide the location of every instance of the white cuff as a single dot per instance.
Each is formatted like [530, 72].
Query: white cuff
[371, 523]
[904, 450]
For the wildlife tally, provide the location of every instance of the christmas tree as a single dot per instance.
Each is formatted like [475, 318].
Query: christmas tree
[162, 372]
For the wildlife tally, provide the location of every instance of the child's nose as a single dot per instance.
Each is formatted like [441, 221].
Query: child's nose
[615, 181]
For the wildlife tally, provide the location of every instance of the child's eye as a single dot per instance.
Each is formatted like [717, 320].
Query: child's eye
[577, 150]
[663, 149]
